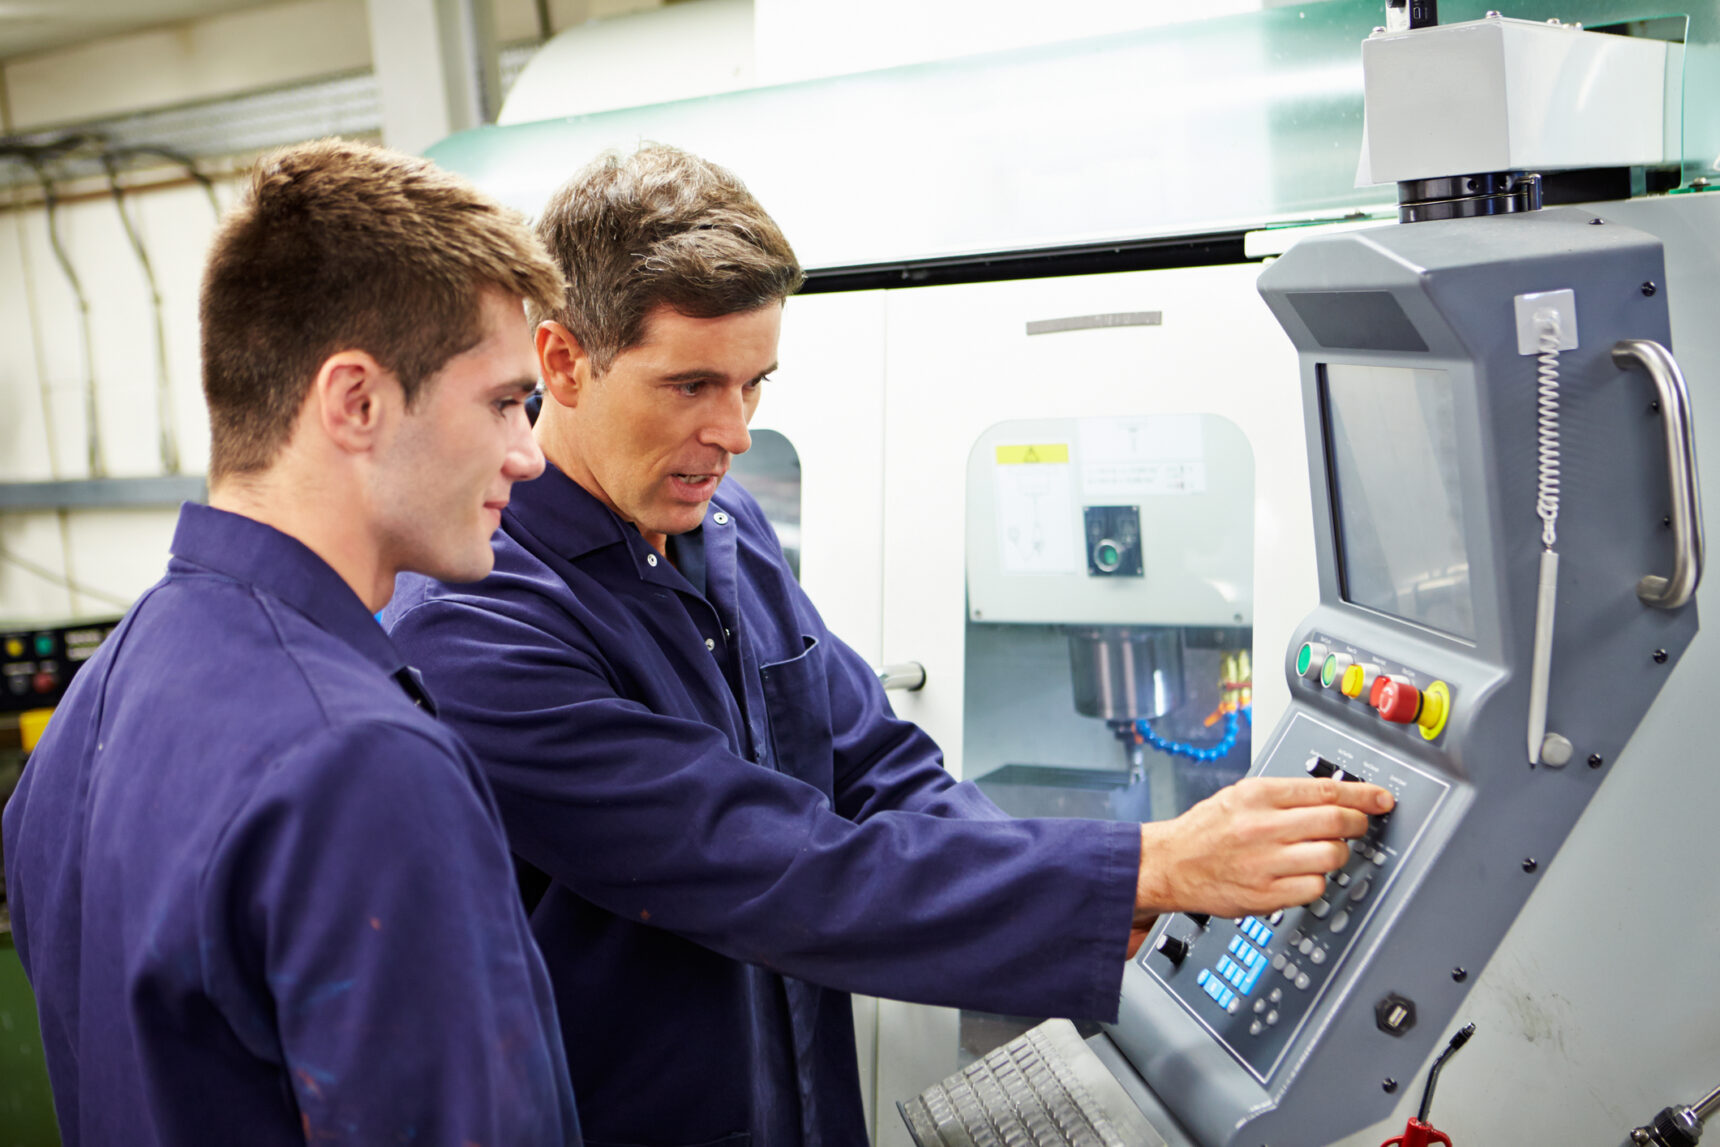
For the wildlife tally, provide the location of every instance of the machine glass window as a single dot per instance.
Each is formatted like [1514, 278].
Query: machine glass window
[1397, 502]
[770, 471]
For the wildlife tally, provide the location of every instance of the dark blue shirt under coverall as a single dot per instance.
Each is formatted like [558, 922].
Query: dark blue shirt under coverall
[263, 897]
[736, 829]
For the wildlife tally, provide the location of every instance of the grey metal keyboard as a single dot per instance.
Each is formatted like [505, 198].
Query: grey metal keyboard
[1042, 1089]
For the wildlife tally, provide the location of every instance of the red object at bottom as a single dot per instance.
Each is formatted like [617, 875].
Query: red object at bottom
[1418, 1134]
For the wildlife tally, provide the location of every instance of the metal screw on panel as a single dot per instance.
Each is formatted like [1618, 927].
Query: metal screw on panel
[1530, 864]
[1649, 289]
[1554, 21]
[1701, 182]
[1492, 15]
[1460, 974]
[1660, 656]
[1595, 761]
[1389, 1085]
[1654, 407]
[1596, 222]
[1666, 522]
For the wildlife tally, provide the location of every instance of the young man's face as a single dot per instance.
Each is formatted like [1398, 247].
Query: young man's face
[447, 472]
[652, 436]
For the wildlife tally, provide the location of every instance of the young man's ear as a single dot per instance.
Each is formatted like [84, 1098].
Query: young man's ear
[351, 399]
[562, 362]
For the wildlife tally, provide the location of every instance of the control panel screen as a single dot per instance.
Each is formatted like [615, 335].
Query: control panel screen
[1397, 504]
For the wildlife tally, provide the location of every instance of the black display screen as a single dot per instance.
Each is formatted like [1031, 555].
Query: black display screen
[1397, 502]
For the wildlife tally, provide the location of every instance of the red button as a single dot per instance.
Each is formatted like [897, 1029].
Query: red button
[46, 681]
[1398, 701]
[1374, 690]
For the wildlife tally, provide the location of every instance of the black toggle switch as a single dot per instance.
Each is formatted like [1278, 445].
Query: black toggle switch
[1200, 918]
[1319, 766]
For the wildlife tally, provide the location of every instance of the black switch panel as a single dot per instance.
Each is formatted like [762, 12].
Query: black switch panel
[1113, 541]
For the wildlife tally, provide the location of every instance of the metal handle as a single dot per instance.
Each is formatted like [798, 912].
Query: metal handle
[909, 675]
[1655, 360]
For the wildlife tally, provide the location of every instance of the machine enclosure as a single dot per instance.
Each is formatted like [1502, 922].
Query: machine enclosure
[1477, 824]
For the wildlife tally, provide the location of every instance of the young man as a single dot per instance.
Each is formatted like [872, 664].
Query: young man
[262, 895]
[735, 829]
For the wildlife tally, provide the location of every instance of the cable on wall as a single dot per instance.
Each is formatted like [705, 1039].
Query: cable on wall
[36, 157]
[167, 425]
[64, 582]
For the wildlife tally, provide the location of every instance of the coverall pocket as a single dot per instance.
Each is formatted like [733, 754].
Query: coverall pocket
[797, 705]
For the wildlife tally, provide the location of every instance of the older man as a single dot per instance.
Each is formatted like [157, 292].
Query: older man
[734, 828]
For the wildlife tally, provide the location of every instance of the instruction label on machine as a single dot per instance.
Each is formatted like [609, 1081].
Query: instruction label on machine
[1128, 458]
[1035, 491]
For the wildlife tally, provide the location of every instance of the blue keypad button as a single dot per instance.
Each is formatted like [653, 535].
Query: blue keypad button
[1237, 975]
[1252, 958]
[1214, 988]
[1228, 998]
[1265, 937]
[1236, 944]
[1225, 964]
[1200, 980]
[1254, 930]
[1251, 979]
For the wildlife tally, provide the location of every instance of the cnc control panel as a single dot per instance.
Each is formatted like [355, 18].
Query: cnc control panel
[37, 663]
[1253, 982]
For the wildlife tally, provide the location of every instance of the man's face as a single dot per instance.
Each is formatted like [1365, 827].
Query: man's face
[443, 478]
[652, 436]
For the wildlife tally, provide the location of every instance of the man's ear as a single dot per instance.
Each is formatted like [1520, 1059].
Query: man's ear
[352, 398]
[562, 362]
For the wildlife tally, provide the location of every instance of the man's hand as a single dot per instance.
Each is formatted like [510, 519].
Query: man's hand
[1261, 844]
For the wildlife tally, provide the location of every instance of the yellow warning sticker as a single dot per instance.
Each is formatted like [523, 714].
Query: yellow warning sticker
[1029, 455]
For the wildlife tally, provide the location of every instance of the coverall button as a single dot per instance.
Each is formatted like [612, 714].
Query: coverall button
[720, 518]
[711, 645]
[650, 559]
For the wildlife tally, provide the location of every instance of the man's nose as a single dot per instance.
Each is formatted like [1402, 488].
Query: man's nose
[525, 457]
[727, 428]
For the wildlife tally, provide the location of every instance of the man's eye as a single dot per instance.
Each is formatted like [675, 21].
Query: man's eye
[690, 389]
[758, 382]
[504, 404]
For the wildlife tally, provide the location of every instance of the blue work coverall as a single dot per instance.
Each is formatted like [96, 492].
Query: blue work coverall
[736, 830]
[262, 895]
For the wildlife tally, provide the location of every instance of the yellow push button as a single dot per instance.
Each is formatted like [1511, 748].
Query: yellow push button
[1351, 685]
[1435, 709]
[14, 647]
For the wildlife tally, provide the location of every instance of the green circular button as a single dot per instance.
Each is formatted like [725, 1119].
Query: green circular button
[44, 644]
[1109, 555]
[1304, 657]
[1329, 670]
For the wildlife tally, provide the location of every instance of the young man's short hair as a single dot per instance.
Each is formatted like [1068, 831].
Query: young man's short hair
[344, 246]
[659, 227]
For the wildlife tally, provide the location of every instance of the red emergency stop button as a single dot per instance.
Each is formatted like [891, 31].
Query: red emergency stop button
[1374, 689]
[45, 681]
[1398, 701]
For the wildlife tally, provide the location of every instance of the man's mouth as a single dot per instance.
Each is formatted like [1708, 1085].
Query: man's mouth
[697, 480]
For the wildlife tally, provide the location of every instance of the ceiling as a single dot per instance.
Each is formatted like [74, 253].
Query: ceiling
[39, 25]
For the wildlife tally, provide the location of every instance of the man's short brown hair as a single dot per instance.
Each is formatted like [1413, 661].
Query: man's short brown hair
[659, 227]
[343, 246]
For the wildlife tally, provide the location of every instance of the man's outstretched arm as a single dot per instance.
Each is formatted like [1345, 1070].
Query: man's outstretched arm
[1261, 844]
